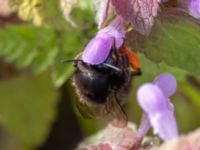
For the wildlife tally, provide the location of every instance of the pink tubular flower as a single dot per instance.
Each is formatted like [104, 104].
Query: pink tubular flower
[139, 13]
[154, 100]
[98, 49]
[194, 8]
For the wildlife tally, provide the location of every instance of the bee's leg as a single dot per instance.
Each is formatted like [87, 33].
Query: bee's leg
[136, 72]
[123, 56]
[115, 113]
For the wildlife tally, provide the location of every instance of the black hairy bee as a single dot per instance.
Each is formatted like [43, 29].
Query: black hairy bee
[101, 88]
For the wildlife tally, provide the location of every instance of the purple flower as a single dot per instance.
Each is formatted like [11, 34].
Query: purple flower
[194, 8]
[139, 13]
[154, 100]
[98, 49]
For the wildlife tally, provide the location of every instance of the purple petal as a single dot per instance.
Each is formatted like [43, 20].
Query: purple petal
[98, 49]
[140, 13]
[117, 37]
[144, 126]
[159, 110]
[100, 46]
[194, 8]
[151, 99]
[164, 125]
[116, 30]
[167, 83]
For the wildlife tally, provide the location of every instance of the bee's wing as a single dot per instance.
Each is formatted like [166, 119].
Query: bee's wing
[86, 111]
[111, 111]
[114, 112]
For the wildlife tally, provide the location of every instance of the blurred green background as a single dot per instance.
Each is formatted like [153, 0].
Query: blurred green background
[37, 100]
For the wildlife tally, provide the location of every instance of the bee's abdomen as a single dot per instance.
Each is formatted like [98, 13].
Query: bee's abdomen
[94, 87]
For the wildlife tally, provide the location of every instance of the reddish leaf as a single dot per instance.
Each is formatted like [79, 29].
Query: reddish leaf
[140, 13]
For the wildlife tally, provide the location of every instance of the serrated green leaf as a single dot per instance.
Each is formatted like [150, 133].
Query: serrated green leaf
[47, 50]
[61, 73]
[177, 43]
[44, 59]
[27, 107]
[17, 41]
[9, 40]
[69, 47]
[26, 44]
[44, 48]
[40, 48]
[15, 53]
[26, 58]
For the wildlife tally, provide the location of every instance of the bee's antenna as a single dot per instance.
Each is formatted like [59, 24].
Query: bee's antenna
[113, 67]
[71, 60]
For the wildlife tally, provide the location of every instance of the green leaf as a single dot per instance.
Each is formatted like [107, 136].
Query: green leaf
[44, 59]
[27, 107]
[150, 70]
[27, 44]
[186, 105]
[14, 54]
[177, 43]
[45, 48]
[41, 48]
[62, 72]
[192, 93]
[68, 50]
[174, 40]
[26, 58]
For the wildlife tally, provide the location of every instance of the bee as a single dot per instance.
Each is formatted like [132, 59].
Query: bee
[102, 88]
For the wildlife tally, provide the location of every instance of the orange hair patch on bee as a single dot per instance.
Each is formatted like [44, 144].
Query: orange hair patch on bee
[132, 57]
